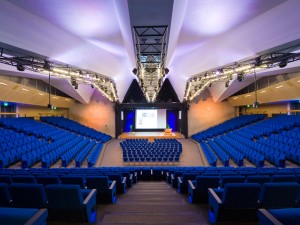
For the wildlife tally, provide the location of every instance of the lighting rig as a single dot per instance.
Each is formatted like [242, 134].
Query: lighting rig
[199, 82]
[150, 47]
[24, 60]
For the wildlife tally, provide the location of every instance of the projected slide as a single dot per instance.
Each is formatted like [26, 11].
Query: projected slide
[150, 119]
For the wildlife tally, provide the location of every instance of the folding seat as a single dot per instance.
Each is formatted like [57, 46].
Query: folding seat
[182, 186]
[47, 179]
[261, 179]
[120, 180]
[73, 179]
[24, 179]
[16, 216]
[28, 195]
[5, 196]
[279, 195]
[290, 216]
[198, 189]
[106, 190]
[235, 202]
[69, 202]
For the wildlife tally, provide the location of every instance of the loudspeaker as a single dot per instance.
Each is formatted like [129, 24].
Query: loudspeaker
[122, 115]
[179, 116]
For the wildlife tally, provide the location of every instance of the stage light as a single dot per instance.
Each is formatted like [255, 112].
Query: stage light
[134, 71]
[219, 71]
[166, 71]
[282, 63]
[240, 77]
[257, 61]
[227, 84]
[46, 65]
[20, 67]
[92, 86]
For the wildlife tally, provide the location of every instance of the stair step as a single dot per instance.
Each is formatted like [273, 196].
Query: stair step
[153, 218]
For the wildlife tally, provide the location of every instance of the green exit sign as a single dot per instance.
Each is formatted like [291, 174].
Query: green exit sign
[5, 103]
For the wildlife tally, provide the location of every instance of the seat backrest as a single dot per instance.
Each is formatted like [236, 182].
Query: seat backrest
[64, 196]
[261, 179]
[241, 195]
[24, 179]
[28, 195]
[284, 178]
[6, 179]
[73, 179]
[279, 195]
[5, 197]
[231, 179]
[47, 179]
[205, 182]
[101, 183]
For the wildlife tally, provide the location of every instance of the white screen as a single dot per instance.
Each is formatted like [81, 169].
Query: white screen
[150, 119]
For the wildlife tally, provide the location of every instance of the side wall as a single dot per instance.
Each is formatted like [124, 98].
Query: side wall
[98, 114]
[37, 111]
[206, 113]
[269, 109]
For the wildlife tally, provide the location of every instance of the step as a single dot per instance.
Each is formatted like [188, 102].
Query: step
[153, 218]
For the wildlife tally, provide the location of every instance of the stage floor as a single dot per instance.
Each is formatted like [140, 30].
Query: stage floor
[150, 135]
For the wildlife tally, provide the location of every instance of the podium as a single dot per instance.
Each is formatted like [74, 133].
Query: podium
[168, 131]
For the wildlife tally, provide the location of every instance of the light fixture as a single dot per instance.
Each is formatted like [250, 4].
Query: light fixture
[46, 65]
[282, 63]
[134, 71]
[240, 77]
[280, 86]
[227, 84]
[247, 95]
[4, 84]
[40, 93]
[24, 89]
[166, 70]
[219, 71]
[20, 67]
[263, 92]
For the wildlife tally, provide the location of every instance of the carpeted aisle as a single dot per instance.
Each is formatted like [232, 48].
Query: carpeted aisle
[152, 203]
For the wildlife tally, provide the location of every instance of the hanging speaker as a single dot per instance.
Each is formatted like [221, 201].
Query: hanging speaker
[179, 115]
[122, 115]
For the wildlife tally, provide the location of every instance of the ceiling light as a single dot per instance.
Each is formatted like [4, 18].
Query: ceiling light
[235, 97]
[247, 95]
[23, 89]
[4, 84]
[298, 81]
[240, 77]
[54, 97]
[40, 93]
[263, 91]
[67, 99]
[20, 67]
[279, 86]
[46, 65]
[282, 64]
[167, 70]
[134, 71]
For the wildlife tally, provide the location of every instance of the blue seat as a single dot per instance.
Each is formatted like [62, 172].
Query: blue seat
[284, 178]
[6, 179]
[121, 182]
[288, 216]
[198, 190]
[182, 186]
[17, 216]
[234, 202]
[106, 190]
[279, 195]
[69, 202]
[28, 195]
[231, 179]
[5, 196]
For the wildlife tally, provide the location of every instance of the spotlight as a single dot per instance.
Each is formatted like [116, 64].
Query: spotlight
[257, 61]
[167, 70]
[134, 71]
[240, 77]
[255, 104]
[76, 86]
[46, 65]
[219, 71]
[49, 106]
[209, 84]
[20, 67]
[92, 86]
[282, 63]
[227, 84]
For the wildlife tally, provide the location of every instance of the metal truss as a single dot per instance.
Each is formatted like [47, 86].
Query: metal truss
[150, 47]
[199, 82]
[43, 65]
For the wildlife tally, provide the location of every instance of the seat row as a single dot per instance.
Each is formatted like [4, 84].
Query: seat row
[60, 200]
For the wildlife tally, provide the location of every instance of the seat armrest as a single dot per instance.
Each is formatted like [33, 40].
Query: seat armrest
[91, 195]
[191, 185]
[124, 180]
[172, 176]
[113, 184]
[270, 217]
[130, 176]
[37, 216]
[179, 180]
[215, 196]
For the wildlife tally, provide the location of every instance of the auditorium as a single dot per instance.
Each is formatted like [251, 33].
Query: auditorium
[166, 112]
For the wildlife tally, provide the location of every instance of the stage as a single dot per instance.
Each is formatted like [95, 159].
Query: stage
[150, 135]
